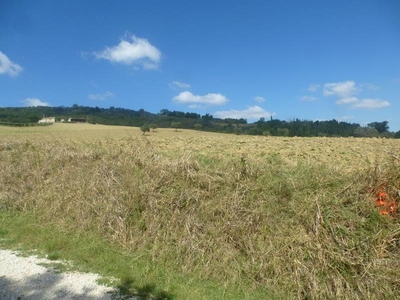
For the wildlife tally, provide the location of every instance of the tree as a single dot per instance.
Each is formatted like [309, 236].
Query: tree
[237, 130]
[176, 125]
[164, 112]
[229, 128]
[207, 117]
[366, 132]
[198, 126]
[255, 131]
[153, 127]
[380, 126]
[282, 132]
[387, 134]
[266, 133]
[397, 135]
[145, 128]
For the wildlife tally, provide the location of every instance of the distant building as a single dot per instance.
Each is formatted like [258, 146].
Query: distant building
[47, 120]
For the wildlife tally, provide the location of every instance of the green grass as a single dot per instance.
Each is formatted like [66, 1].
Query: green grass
[132, 273]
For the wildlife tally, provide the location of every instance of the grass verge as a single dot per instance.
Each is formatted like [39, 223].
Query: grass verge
[207, 227]
[130, 273]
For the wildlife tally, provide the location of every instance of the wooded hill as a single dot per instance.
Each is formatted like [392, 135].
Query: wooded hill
[167, 119]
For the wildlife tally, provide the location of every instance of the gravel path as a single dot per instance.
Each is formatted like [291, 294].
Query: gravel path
[22, 278]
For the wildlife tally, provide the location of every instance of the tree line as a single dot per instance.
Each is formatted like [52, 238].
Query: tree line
[177, 119]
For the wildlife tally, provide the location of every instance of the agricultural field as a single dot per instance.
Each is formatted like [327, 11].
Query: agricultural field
[200, 215]
[345, 154]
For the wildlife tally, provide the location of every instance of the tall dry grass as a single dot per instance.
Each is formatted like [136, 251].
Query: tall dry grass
[305, 230]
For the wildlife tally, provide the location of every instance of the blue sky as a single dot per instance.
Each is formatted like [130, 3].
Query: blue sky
[313, 60]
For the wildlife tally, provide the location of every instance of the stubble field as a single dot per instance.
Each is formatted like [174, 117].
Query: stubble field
[345, 154]
[283, 217]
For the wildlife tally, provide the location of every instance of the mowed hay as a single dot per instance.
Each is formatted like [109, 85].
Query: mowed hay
[304, 227]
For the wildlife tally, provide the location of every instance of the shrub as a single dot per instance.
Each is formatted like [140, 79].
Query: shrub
[198, 126]
[153, 127]
[176, 125]
[145, 128]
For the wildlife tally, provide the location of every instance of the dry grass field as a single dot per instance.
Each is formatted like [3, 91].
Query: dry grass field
[345, 154]
[287, 217]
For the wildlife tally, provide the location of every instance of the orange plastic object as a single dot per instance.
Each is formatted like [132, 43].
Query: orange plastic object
[385, 204]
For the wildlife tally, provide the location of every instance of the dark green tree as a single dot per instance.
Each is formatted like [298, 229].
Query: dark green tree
[237, 130]
[207, 117]
[380, 126]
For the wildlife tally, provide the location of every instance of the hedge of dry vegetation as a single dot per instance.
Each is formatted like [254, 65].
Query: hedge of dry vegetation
[304, 230]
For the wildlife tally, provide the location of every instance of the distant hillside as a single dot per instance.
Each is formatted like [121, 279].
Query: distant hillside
[165, 119]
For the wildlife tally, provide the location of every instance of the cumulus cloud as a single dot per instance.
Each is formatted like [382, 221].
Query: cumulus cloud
[346, 91]
[370, 104]
[34, 102]
[103, 96]
[179, 84]
[252, 112]
[132, 51]
[313, 88]
[259, 99]
[342, 89]
[9, 67]
[345, 101]
[308, 98]
[209, 99]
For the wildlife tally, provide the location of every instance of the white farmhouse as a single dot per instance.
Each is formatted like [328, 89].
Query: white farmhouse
[47, 120]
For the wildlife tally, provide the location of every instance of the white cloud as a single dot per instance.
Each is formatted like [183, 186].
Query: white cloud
[346, 90]
[34, 102]
[313, 87]
[371, 104]
[179, 84]
[345, 101]
[209, 99]
[149, 66]
[196, 106]
[370, 86]
[342, 89]
[100, 96]
[132, 51]
[9, 67]
[252, 112]
[259, 99]
[308, 98]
